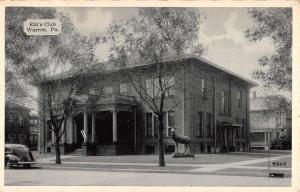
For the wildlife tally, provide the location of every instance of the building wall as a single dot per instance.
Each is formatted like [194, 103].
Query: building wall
[16, 124]
[224, 82]
[187, 98]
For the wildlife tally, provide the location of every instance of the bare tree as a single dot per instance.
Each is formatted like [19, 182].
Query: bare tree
[151, 37]
[55, 64]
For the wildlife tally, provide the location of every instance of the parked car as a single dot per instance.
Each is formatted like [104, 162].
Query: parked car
[17, 154]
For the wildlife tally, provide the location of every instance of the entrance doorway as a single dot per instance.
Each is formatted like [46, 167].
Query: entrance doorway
[79, 127]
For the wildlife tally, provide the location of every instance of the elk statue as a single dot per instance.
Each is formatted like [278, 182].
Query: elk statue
[183, 140]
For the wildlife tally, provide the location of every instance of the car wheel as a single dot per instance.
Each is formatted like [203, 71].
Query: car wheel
[8, 164]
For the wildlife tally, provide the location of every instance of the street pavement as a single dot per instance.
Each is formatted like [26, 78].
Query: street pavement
[42, 177]
[245, 169]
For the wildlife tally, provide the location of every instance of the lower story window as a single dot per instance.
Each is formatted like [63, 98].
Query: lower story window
[149, 124]
[170, 121]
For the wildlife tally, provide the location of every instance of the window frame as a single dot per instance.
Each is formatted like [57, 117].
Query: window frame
[122, 86]
[239, 98]
[105, 88]
[168, 122]
[200, 123]
[204, 88]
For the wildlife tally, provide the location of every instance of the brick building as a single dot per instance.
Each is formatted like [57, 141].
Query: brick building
[207, 103]
[16, 123]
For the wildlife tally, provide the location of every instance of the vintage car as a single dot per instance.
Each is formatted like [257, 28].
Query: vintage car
[17, 154]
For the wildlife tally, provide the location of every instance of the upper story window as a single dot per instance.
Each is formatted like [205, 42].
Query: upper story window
[224, 103]
[239, 98]
[108, 90]
[149, 87]
[170, 86]
[203, 87]
[153, 88]
[123, 88]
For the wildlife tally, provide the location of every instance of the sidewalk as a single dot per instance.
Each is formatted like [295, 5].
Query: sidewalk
[148, 163]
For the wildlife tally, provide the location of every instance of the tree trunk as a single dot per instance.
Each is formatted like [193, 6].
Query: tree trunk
[57, 151]
[160, 141]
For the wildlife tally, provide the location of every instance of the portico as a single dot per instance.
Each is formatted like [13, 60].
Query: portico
[108, 123]
[228, 138]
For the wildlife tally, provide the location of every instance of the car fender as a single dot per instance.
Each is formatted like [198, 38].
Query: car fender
[12, 157]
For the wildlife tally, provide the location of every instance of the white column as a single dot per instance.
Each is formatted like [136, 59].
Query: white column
[93, 128]
[85, 124]
[115, 136]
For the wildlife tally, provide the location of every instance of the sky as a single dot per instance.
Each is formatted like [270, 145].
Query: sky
[222, 32]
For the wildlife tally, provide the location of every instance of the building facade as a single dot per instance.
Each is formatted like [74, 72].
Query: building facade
[270, 122]
[16, 124]
[205, 102]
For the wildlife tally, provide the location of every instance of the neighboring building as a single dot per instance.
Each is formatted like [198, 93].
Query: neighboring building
[213, 110]
[16, 124]
[270, 119]
[34, 132]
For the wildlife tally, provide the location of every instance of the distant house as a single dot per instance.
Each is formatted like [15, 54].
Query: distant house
[16, 124]
[270, 119]
[34, 132]
[213, 110]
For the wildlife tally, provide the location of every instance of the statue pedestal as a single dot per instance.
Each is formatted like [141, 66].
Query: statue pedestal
[183, 155]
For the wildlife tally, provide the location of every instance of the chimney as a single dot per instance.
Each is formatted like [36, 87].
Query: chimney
[254, 94]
